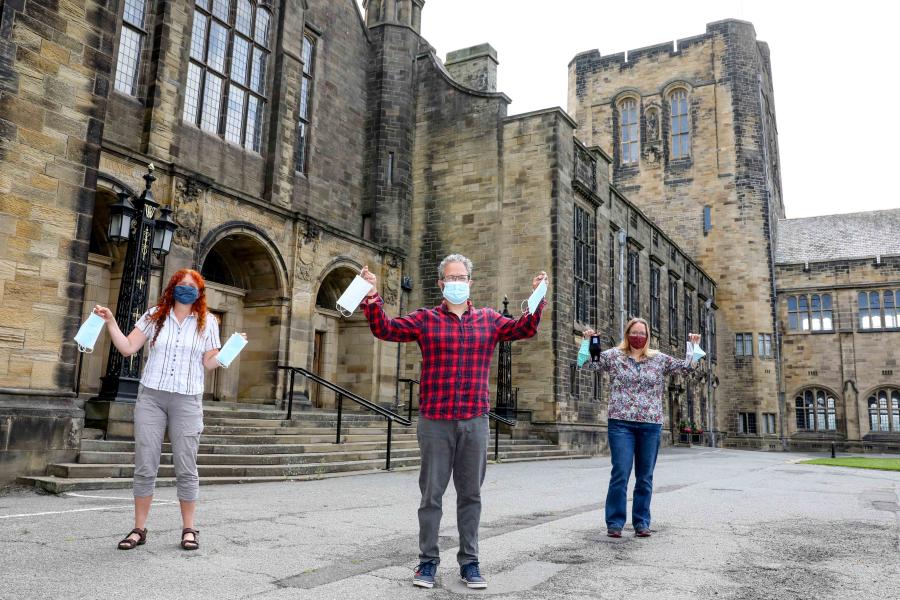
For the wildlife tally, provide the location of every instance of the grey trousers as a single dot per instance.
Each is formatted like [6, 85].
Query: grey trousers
[458, 448]
[183, 415]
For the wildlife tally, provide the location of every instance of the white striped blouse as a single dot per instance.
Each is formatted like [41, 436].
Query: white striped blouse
[175, 363]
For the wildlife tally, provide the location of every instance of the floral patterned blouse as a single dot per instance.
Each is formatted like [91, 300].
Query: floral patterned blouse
[637, 387]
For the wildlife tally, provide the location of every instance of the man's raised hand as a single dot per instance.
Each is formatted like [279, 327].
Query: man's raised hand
[370, 277]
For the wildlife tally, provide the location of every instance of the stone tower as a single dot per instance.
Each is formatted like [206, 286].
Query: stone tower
[394, 27]
[692, 132]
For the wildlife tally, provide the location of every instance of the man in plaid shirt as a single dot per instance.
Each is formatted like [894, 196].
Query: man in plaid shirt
[457, 342]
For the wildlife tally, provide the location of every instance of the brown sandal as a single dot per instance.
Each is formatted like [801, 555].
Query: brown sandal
[130, 543]
[193, 544]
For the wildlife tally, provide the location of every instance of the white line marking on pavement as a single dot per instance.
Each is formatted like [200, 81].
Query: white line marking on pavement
[100, 497]
[78, 510]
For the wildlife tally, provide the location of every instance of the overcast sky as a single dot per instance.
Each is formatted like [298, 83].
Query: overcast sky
[834, 65]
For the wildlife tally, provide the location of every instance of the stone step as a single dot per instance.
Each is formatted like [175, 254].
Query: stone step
[299, 439]
[308, 454]
[286, 465]
[290, 430]
[60, 485]
[110, 446]
[331, 423]
[79, 471]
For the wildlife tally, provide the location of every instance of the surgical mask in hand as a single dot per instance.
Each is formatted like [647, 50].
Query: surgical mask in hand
[87, 335]
[695, 352]
[536, 296]
[584, 353]
[353, 296]
[456, 292]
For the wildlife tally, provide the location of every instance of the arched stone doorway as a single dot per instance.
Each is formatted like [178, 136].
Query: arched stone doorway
[246, 291]
[343, 349]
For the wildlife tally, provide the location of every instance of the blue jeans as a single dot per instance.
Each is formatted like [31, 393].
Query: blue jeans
[638, 443]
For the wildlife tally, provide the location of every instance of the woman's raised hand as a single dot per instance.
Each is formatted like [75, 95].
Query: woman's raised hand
[588, 333]
[104, 313]
[694, 338]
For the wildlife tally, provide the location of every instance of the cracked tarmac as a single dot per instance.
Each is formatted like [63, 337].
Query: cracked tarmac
[729, 525]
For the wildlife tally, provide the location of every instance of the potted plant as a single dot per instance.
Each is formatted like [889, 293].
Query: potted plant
[685, 430]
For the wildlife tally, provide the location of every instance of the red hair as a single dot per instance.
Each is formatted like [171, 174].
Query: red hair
[167, 301]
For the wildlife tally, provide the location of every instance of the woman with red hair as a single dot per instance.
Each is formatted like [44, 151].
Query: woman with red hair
[184, 344]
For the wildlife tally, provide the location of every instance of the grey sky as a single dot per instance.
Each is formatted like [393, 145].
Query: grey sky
[834, 70]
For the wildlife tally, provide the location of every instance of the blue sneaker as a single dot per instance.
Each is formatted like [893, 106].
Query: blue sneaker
[471, 574]
[424, 576]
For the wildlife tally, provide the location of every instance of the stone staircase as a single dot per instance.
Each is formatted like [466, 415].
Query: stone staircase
[244, 443]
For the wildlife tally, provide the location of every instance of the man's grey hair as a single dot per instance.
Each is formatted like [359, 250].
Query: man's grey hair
[452, 259]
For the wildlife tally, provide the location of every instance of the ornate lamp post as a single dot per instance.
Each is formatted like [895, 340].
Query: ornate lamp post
[134, 220]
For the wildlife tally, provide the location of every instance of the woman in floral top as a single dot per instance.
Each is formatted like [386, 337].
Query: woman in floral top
[637, 375]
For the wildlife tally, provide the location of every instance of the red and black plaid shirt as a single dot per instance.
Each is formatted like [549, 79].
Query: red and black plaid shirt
[456, 352]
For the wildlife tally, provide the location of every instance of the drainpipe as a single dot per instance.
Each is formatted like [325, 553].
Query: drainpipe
[623, 315]
[709, 377]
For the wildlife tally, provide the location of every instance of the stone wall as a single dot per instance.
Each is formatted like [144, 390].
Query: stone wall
[54, 82]
[732, 170]
[848, 361]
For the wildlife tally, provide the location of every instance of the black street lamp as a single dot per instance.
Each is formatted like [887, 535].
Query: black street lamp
[134, 220]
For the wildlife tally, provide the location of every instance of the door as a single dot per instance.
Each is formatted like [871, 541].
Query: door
[315, 391]
[212, 388]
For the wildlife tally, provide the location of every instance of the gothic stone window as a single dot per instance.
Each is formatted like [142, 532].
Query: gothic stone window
[879, 310]
[815, 410]
[611, 316]
[131, 39]
[301, 162]
[585, 266]
[688, 312]
[628, 131]
[654, 297]
[764, 348]
[673, 310]
[746, 423]
[743, 344]
[634, 309]
[884, 410]
[810, 313]
[679, 125]
[226, 80]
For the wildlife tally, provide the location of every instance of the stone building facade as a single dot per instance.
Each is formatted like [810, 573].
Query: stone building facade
[297, 141]
[838, 318]
[690, 127]
[692, 133]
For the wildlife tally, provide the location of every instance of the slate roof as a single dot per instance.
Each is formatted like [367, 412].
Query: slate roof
[839, 237]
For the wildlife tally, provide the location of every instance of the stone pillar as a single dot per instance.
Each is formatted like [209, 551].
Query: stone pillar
[55, 70]
[474, 67]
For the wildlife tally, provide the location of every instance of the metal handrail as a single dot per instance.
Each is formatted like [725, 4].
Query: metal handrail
[409, 386]
[497, 420]
[390, 415]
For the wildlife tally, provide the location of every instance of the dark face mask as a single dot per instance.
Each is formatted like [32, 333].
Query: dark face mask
[637, 341]
[186, 294]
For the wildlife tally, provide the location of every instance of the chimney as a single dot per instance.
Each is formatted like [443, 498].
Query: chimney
[474, 67]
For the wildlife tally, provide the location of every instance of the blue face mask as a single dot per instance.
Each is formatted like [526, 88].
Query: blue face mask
[456, 292]
[186, 294]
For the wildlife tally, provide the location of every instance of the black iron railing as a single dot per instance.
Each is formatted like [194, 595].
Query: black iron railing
[497, 420]
[340, 394]
[409, 388]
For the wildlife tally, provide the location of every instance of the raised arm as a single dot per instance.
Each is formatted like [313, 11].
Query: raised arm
[675, 366]
[401, 329]
[604, 363]
[526, 326]
[134, 341]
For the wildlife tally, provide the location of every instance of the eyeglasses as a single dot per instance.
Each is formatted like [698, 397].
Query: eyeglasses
[456, 278]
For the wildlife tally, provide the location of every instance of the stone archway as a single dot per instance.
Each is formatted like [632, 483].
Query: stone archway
[246, 291]
[343, 349]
